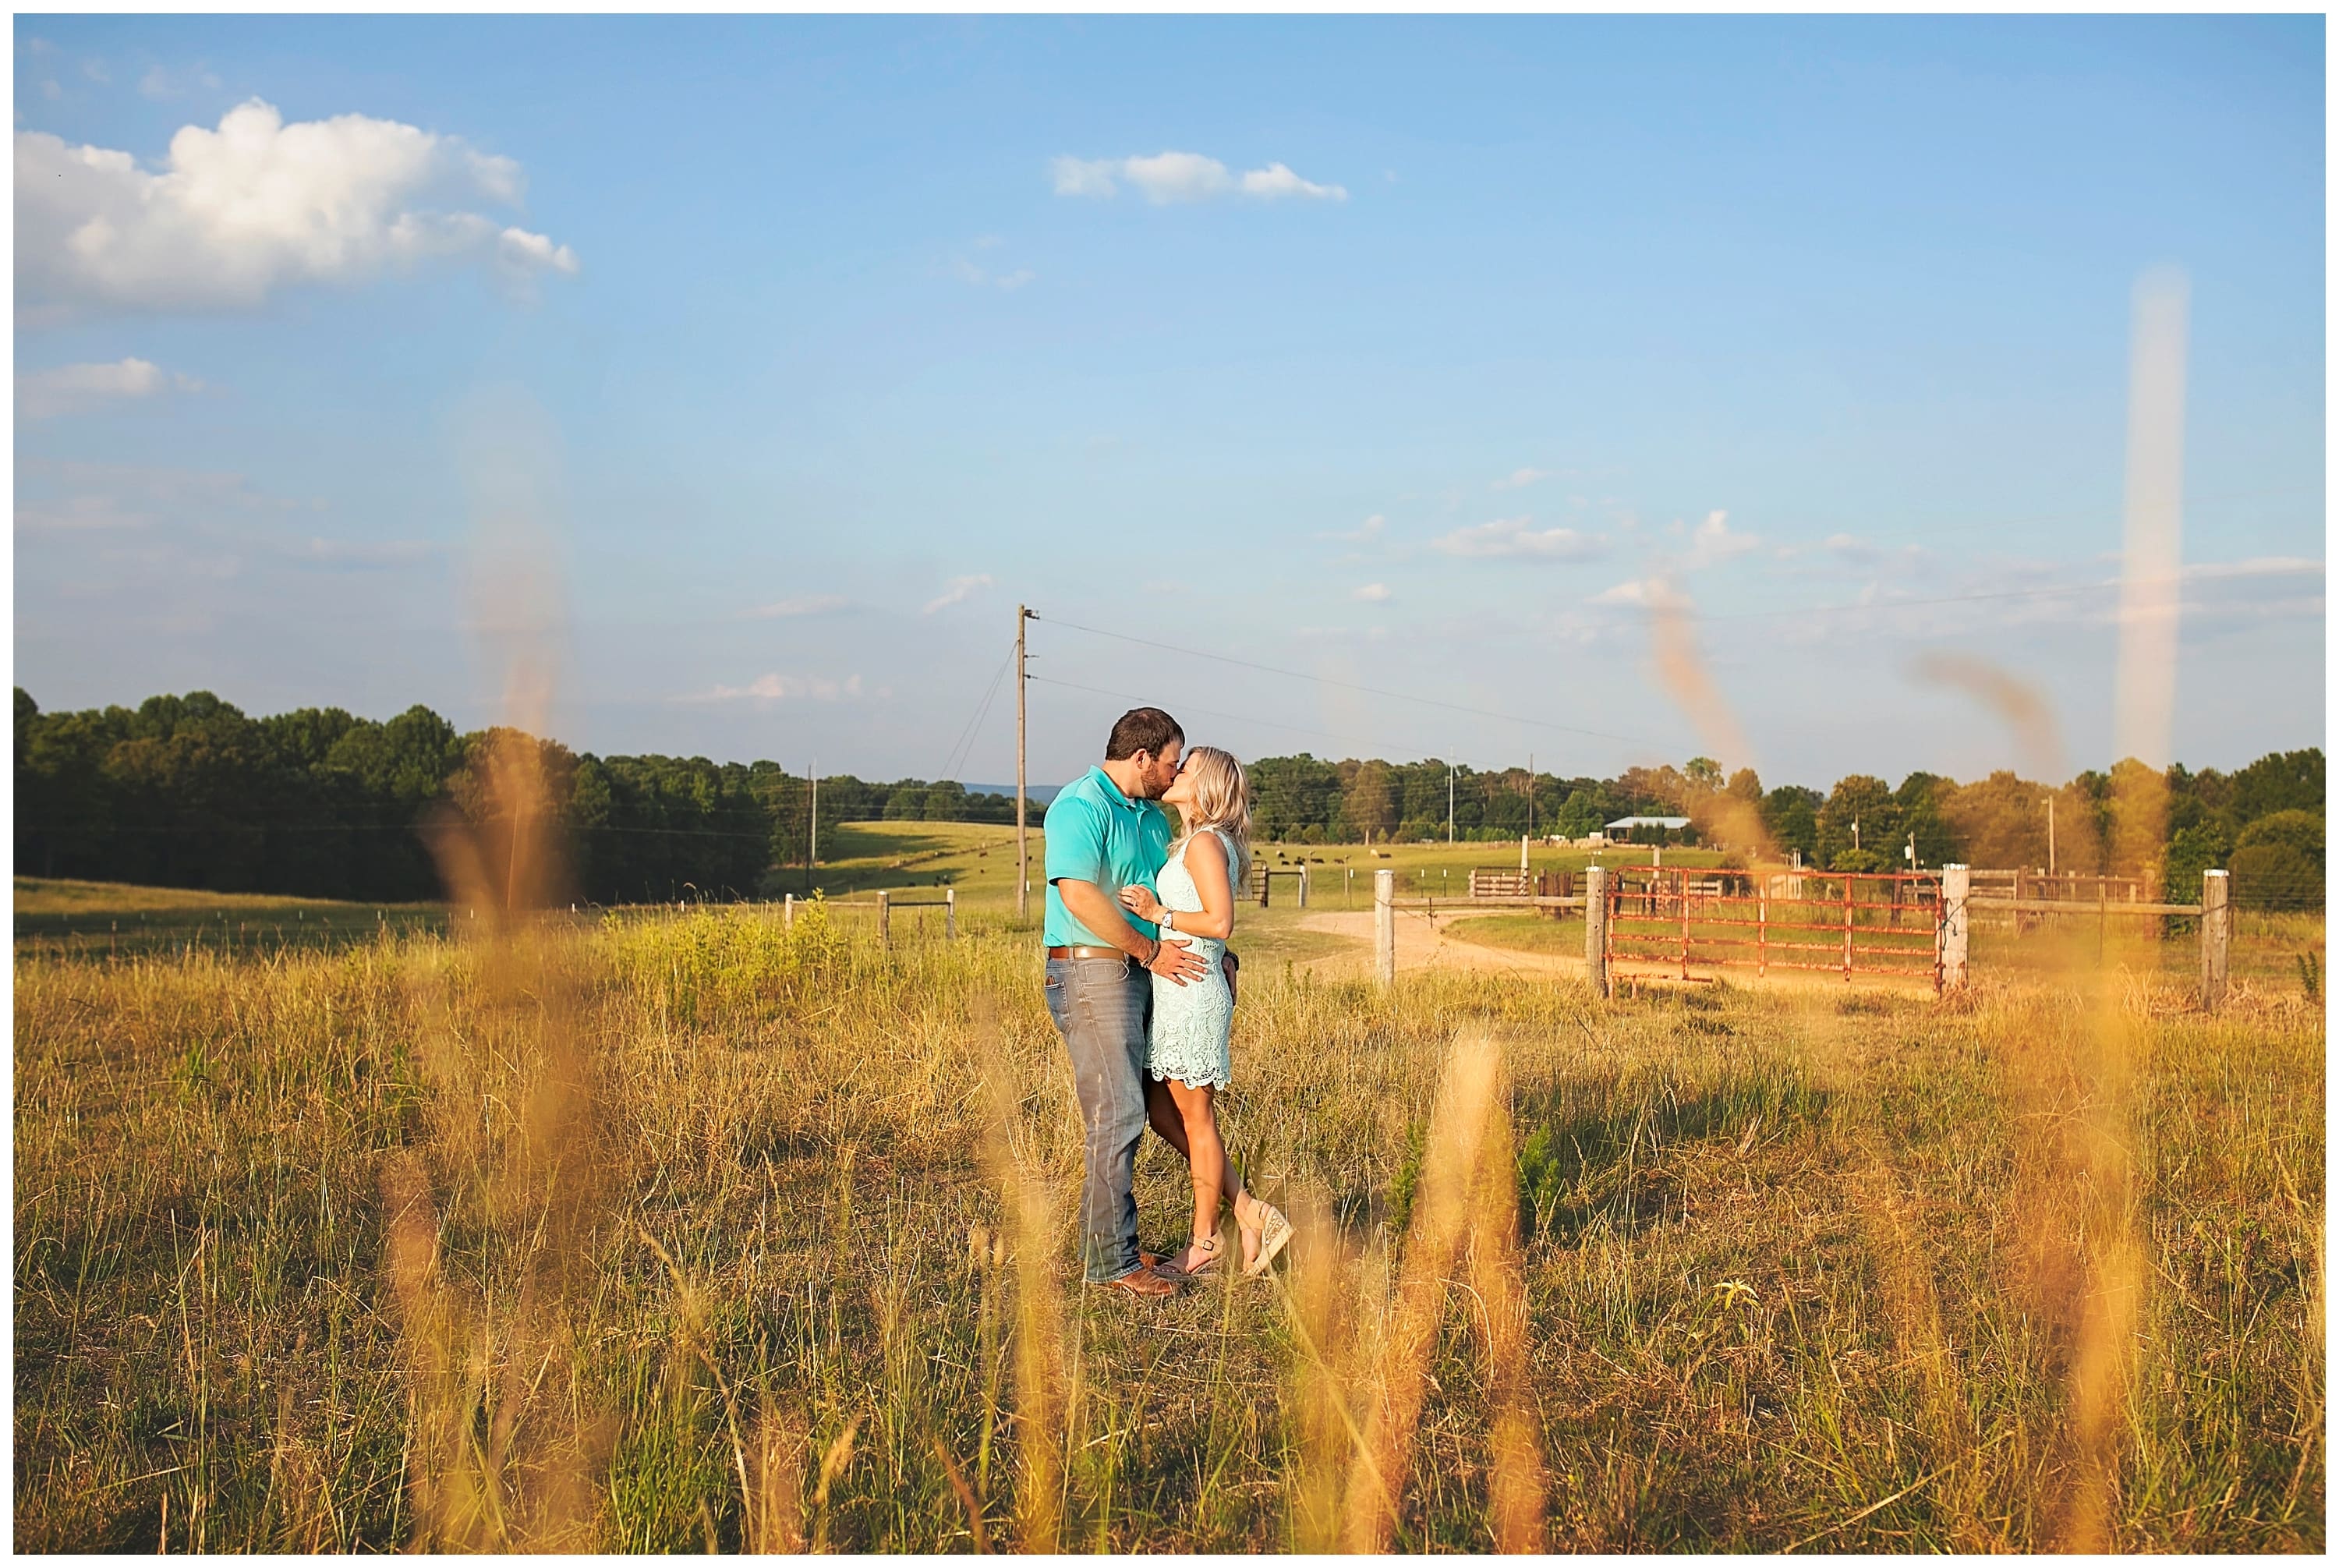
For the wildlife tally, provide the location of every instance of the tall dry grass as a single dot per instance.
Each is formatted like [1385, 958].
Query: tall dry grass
[1725, 1268]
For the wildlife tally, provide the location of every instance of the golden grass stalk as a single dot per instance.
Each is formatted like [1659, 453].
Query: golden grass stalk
[2145, 698]
[1497, 1273]
[776, 1520]
[1330, 1444]
[1452, 1165]
[1038, 1357]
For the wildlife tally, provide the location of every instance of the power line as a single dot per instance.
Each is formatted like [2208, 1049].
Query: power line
[965, 747]
[2103, 587]
[1350, 685]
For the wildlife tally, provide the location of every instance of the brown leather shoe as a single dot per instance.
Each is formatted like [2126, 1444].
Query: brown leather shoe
[1141, 1281]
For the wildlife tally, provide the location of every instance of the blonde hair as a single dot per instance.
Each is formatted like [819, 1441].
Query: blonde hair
[1222, 801]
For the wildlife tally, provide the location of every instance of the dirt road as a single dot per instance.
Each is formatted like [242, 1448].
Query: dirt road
[1422, 944]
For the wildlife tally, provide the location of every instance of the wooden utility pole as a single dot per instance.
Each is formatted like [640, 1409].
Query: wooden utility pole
[1022, 854]
[812, 853]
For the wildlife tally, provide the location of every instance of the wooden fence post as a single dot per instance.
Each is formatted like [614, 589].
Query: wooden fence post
[2216, 930]
[884, 920]
[1956, 886]
[950, 914]
[788, 912]
[1385, 928]
[1595, 928]
[1304, 880]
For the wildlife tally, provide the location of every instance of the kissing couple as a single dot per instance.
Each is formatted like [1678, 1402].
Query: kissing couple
[1142, 989]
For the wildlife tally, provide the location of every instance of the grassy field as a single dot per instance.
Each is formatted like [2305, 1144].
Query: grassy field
[683, 1229]
[1523, 933]
[57, 915]
[979, 859]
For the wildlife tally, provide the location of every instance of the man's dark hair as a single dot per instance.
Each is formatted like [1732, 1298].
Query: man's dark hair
[1141, 730]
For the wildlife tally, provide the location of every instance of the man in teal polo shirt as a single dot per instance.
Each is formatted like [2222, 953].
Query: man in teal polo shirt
[1105, 831]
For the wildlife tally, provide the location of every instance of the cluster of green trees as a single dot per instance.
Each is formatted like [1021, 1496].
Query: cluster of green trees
[190, 792]
[2264, 821]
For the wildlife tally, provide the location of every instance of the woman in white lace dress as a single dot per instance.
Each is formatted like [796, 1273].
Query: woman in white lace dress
[1187, 1055]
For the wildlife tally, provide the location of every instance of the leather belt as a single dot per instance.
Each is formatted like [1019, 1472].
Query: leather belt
[1090, 952]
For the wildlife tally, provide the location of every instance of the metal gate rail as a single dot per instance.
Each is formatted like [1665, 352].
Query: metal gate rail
[1684, 917]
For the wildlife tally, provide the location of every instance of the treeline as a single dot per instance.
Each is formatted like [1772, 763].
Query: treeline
[2264, 823]
[190, 792]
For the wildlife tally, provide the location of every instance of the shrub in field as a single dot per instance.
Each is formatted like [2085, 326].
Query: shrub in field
[2277, 861]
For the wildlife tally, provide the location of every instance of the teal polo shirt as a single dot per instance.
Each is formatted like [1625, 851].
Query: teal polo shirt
[1098, 834]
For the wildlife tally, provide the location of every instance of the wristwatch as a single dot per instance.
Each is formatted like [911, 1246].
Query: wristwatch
[1169, 919]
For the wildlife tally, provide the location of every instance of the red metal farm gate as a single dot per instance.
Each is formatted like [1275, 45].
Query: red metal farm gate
[1673, 921]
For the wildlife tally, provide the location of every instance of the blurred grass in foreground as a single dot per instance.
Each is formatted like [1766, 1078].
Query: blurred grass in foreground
[1798, 1268]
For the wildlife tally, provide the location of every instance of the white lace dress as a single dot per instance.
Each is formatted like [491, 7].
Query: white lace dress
[1191, 1022]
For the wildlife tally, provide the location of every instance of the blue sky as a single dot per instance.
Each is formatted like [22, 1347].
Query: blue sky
[789, 355]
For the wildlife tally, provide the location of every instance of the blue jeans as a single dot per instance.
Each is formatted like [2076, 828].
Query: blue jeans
[1101, 1006]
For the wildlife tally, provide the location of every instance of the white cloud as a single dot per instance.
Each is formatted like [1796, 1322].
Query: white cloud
[1365, 533]
[1713, 543]
[131, 495]
[777, 687]
[956, 591]
[254, 206]
[77, 388]
[1277, 180]
[76, 513]
[1520, 479]
[1516, 538]
[983, 278]
[2256, 566]
[798, 604]
[160, 82]
[1849, 548]
[1165, 177]
[360, 555]
[1372, 594]
[1640, 592]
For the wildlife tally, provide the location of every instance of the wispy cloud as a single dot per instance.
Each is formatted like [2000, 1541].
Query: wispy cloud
[1517, 538]
[1364, 533]
[969, 272]
[1372, 594]
[777, 687]
[360, 555]
[79, 389]
[1520, 479]
[1713, 541]
[161, 83]
[1162, 178]
[797, 605]
[956, 591]
[1644, 593]
[72, 494]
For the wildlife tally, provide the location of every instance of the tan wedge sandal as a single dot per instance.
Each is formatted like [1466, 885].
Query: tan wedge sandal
[1273, 1234]
[1212, 1251]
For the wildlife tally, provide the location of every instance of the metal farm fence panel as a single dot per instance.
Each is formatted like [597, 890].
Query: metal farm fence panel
[1677, 920]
